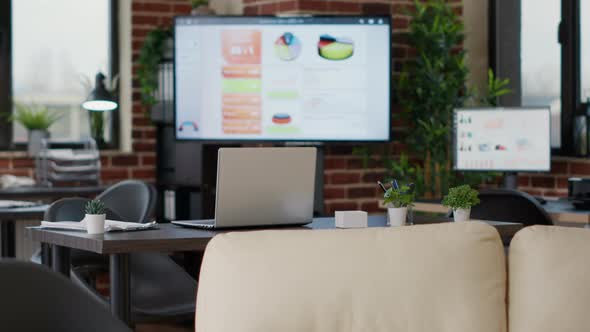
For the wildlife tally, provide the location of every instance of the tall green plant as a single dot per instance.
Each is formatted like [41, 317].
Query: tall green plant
[432, 85]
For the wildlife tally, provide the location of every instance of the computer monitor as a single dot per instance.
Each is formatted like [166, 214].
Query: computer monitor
[502, 139]
[283, 78]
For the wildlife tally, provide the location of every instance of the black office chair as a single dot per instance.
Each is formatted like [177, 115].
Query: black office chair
[160, 288]
[33, 298]
[131, 199]
[510, 205]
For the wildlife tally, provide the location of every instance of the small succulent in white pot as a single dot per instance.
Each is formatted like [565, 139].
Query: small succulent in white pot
[461, 199]
[398, 200]
[95, 217]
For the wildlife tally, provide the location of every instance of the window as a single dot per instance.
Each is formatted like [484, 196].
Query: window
[57, 48]
[546, 60]
[540, 60]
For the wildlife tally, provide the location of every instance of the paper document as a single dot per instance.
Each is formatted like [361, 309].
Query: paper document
[110, 225]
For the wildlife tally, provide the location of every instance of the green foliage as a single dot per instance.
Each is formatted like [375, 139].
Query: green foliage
[401, 197]
[461, 197]
[497, 87]
[150, 56]
[197, 3]
[34, 117]
[95, 207]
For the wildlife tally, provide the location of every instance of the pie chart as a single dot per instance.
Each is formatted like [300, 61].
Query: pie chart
[287, 47]
[333, 48]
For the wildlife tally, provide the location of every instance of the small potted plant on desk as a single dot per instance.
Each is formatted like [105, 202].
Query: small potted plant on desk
[397, 200]
[37, 120]
[461, 199]
[95, 217]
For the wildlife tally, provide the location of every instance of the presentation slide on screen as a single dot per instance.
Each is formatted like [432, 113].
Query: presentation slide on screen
[282, 79]
[506, 140]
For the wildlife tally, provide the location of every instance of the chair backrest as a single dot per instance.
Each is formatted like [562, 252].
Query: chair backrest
[444, 277]
[71, 209]
[34, 298]
[549, 279]
[510, 205]
[133, 200]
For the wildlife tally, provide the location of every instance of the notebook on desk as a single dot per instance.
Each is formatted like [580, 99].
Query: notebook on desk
[262, 187]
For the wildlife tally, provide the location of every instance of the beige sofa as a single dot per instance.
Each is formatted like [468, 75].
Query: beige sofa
[446, 277]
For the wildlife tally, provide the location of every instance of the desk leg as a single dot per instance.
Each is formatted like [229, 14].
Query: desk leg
[8, 239]
[46, 254]
[61, 260]
[120, 287]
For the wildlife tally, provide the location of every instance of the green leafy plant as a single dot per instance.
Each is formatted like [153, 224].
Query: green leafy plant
[461, 197]
[400, 197]
[150, 56]
[95, 207]
[432, 85]
[198, 3]
[34, 117]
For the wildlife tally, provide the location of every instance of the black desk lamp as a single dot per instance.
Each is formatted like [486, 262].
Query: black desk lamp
[99, 100]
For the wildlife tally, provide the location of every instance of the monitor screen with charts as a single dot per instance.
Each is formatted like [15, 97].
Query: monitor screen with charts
[502, 139]
[282, 78]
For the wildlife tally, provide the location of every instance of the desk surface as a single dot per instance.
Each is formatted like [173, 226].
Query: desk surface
[49, 192]
[24, 213]
[168, 237]
[560, 211]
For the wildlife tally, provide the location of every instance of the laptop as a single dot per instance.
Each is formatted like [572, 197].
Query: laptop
[262, 187]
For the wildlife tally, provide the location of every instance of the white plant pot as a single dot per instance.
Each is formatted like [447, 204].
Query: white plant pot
[95, 223]
[397, 216]
[35, 138]
[461, 214]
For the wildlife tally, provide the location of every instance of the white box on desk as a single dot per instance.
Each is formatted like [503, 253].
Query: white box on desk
[351, 219]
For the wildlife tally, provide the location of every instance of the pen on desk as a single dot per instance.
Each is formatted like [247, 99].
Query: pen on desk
[382, 186]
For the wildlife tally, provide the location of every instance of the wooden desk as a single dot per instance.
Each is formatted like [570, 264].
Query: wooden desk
[166, 238]
[8, 219]
[561, 211]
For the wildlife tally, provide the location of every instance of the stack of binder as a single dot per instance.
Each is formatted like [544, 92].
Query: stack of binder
[59, 164]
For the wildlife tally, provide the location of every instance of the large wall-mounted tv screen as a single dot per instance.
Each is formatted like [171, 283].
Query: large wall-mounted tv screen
[282, 78]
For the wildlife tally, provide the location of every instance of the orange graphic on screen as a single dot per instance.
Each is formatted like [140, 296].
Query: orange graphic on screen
[241, 46]
[241, 71]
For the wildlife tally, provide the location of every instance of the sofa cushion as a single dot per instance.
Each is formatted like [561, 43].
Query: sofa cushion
[549, 286]
[446, 277]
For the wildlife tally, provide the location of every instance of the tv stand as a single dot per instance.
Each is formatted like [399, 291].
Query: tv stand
[511, 180]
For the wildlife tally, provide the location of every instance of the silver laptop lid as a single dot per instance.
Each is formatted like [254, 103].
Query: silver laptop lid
[265, 186]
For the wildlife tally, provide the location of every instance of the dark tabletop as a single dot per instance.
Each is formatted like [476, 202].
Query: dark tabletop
[168, 237]
[26, 213]
[49, 192]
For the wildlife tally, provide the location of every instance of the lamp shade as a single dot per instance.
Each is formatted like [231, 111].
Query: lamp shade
[100, 99]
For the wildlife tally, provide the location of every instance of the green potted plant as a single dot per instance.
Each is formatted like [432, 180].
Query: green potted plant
[461, 199]
[397, 200]
[95, 217]
[36, 119]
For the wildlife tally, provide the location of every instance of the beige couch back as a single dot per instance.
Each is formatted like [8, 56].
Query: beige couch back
[550, 280]
[445, 278]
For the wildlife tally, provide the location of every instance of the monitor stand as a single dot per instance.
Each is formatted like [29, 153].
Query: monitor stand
[511, 180]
